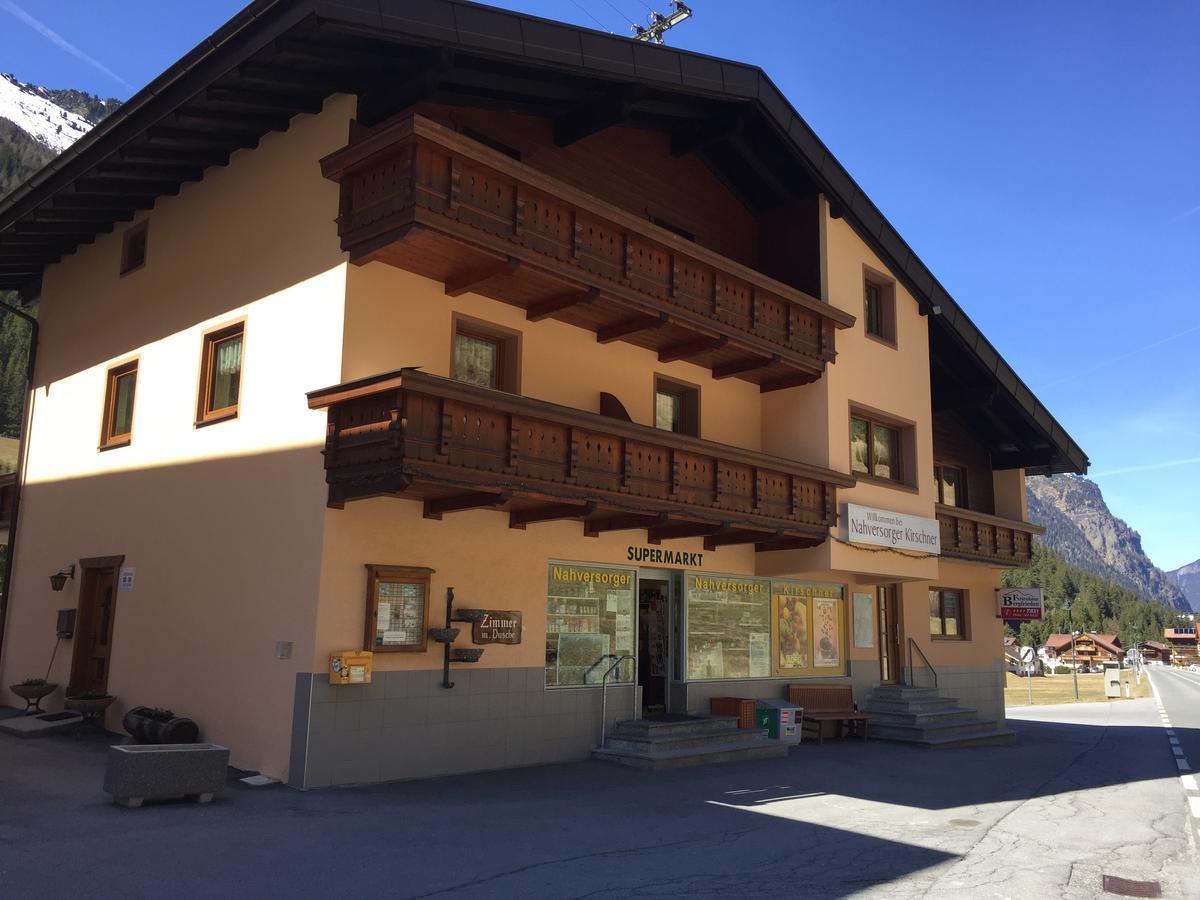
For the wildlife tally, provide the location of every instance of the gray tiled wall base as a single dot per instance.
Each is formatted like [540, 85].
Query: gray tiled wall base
[405, 725]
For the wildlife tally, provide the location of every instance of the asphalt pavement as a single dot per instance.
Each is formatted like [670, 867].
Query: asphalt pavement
[1088, 790]
[1177, 692]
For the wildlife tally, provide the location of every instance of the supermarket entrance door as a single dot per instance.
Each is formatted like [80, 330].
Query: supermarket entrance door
[658, 593]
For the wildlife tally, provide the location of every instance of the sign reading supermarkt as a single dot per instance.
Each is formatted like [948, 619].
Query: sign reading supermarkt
[884, 528]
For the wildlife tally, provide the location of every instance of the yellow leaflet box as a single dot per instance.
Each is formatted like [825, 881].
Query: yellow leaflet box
[350, 667]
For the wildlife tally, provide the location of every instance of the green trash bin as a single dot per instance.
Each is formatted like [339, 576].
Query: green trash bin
[779, 720]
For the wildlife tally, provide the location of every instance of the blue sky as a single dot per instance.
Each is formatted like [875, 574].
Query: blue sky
[1042, 158]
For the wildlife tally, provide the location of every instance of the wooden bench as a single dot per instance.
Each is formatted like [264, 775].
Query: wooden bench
[829, 703]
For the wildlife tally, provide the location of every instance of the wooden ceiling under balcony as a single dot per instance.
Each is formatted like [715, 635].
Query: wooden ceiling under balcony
[419, 196]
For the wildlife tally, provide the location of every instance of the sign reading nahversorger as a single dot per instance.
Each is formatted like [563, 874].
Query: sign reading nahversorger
[884, 528]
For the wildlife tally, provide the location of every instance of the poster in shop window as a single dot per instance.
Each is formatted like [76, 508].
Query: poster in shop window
[793, 632]
[864, 621]
[826, 635]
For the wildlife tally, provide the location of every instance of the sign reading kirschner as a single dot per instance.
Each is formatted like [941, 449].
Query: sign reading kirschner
[884, 528]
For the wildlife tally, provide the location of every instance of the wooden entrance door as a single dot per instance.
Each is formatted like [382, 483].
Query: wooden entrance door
[94, 624]
[890, 663]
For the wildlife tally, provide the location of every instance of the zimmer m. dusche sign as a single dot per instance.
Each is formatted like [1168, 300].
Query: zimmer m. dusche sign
[884, 528]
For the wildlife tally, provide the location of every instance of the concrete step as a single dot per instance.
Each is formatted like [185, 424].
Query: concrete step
[877, 705]
[683, 727]
[923, 719]
[674, 759]
[903, 691]
[660, 743]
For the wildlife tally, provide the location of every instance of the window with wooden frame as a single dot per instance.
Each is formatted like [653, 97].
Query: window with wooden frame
[947, 614]
[221, 374]
[133, 247]
[120, 388]
[397, 609]
[951, 484]
[486, 355]
[676, 406]
[876, 448]
[879, 309]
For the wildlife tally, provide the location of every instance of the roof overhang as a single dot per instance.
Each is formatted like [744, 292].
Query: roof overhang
[277, 58]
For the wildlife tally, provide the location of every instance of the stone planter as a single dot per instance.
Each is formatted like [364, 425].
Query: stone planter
[92, 708]
[138, 772]
[33, 694]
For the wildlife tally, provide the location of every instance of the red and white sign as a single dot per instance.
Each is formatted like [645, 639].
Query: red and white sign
[1021, 603]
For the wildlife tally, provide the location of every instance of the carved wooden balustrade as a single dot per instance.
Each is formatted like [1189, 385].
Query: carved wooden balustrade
[457, 446]
[976, 536]
[420, 196]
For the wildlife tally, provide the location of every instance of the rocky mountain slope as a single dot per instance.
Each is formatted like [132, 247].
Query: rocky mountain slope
[1083, 531]
[37, 123]
[1188, 579]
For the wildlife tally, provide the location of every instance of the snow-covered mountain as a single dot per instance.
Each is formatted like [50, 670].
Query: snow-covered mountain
[32, 109]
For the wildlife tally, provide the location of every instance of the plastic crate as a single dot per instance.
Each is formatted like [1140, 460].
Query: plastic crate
[734, 706]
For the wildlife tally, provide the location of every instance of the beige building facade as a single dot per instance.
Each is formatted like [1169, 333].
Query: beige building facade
[590, 371]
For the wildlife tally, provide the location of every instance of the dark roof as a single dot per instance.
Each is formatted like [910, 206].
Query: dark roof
[279, 57]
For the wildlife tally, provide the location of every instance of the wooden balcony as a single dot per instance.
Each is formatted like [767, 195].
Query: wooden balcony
[978, 537]
[457, 446]
[420, 196]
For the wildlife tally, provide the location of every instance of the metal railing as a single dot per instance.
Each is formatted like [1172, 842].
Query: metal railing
[912, 682]
[604, 692]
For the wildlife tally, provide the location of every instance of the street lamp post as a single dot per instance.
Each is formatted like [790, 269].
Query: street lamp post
[1074, 655]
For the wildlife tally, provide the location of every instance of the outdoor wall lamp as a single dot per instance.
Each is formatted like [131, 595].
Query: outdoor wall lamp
[59, 581]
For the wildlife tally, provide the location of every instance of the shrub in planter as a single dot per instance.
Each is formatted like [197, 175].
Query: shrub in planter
[150, 725]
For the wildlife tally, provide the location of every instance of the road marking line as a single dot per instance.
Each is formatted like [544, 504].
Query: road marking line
[1194, 803]
[1174, 741]
[1178, 751]
[1189, 782]
[1170, 733]
[1183, 765]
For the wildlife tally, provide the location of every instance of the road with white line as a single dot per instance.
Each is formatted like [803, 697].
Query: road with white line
[1178, 696]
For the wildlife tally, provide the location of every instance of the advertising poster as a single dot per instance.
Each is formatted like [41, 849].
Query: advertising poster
[826, 637]
[794, 643]
[864, 621]
[760, 655]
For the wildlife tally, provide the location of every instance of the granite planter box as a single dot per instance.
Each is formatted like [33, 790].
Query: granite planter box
[138, 772]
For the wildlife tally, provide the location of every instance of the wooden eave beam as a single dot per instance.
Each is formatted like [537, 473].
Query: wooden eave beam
[692, 347]
[115, 187]
[460, 283]
[81, 201]
[701, 135]
[325, 81]
[677, 530]
[542, 309]
[591, 117]
[282, 102]
[261, 122]
[614, 332]
[175, 156]
[434, 508]
[554, 512]
[203, 139]
[136, 172]
[744, 366]
[788, 381]
[787, 543]
[58, 230]
[594, 527]
[730, 536]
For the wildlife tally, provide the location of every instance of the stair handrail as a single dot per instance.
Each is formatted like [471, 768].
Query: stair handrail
[604, 690]
[912, 682]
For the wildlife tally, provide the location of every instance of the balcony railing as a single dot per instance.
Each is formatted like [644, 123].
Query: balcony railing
[457, 446]
[976, 536]
[422, 197]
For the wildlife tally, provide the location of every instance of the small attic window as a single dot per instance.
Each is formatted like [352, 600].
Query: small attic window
[133, 248]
